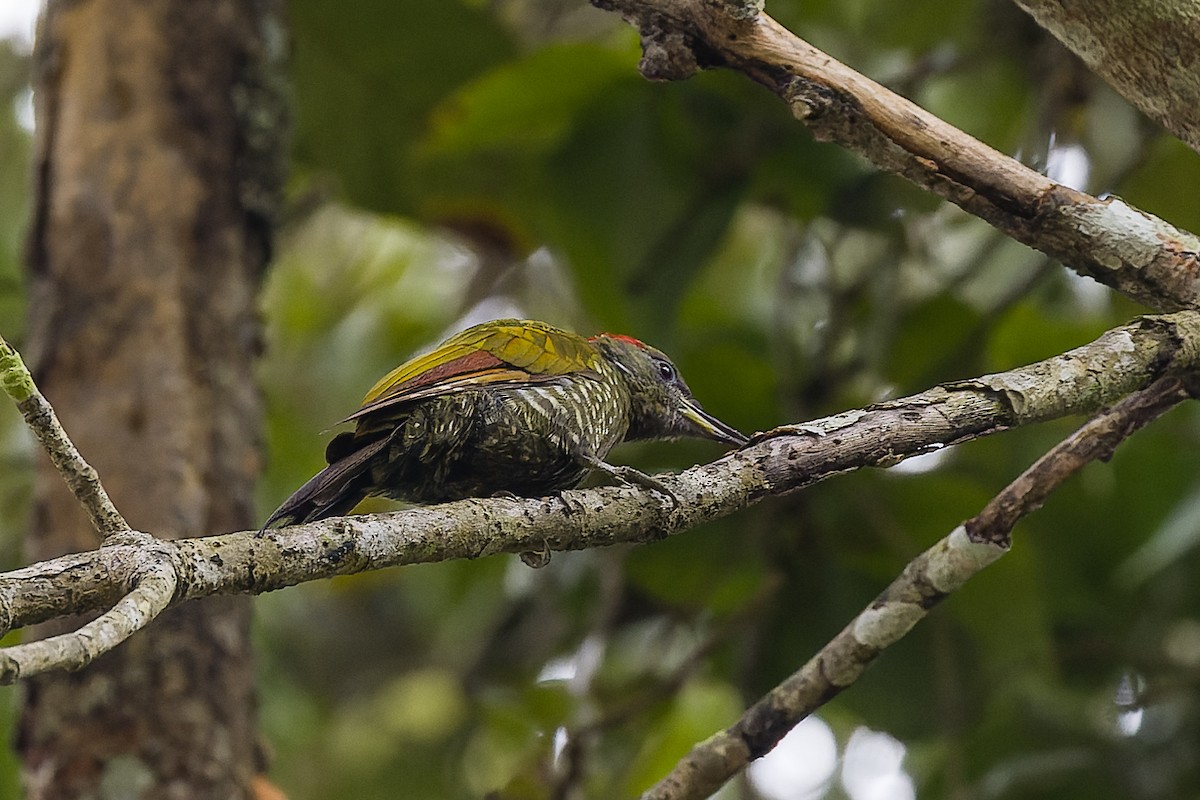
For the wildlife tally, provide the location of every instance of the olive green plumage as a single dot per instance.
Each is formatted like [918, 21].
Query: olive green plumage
[512, 406]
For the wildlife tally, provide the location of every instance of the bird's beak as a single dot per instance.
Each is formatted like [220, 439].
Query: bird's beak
[709, 426]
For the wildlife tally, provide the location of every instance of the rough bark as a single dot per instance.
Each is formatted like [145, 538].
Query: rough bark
[157, 168]
[1148, 52]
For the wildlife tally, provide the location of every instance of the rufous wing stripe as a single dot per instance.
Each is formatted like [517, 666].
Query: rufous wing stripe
[477, 361]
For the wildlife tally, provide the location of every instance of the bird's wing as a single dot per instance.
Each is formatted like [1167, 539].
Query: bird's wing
[501, 352]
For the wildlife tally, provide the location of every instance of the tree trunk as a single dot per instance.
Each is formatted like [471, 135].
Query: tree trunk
[158, 166]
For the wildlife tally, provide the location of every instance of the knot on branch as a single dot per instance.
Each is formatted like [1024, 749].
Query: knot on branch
[680, 38]
[667, 55]
[811, 100]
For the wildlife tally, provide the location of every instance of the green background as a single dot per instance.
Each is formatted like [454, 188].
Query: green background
[456, 161]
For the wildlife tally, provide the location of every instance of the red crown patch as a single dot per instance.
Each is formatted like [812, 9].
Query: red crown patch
[622, 337]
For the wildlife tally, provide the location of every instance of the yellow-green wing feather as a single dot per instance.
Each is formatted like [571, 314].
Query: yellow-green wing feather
[453, 348]
[538, 348]
[520, 351]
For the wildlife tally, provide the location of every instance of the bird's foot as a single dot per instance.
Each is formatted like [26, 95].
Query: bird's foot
[631, 477]
[537, 559]
[635, 477]
[569, 502]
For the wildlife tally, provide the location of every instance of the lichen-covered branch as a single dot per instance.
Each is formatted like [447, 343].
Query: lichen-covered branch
[154, 588]
[78, 474]
[1119, 362]
[926, 581]
[1134, 252]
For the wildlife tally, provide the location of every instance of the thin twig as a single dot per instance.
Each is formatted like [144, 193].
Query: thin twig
[79, 475]
[155, 574]
[925, 582]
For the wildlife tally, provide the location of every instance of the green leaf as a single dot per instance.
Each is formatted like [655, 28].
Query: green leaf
[368, 77]
[526, 105]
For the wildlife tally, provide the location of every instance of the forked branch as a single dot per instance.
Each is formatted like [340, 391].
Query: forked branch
[926, 581]
[152, 583]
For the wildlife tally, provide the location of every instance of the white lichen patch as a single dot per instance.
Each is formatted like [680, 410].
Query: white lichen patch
[880, 626]
[1133, 236]
[956, 558]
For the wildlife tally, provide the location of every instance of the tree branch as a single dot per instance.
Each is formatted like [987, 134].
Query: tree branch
[925, 582]
[76, 472]
[155, 582]
[1120, 361]
[1122, 247]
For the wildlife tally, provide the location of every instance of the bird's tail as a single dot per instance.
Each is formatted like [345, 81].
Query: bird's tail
[331, 492]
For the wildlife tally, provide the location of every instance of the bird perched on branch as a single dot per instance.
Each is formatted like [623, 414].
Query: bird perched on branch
[509, 406]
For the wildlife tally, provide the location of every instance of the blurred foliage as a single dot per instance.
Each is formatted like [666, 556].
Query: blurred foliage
[16, 443]
[456, 161]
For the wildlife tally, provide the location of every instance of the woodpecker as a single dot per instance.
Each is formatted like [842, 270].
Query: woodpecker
[507, 407]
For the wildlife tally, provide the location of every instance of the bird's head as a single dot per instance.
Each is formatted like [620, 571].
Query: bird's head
[661, 405]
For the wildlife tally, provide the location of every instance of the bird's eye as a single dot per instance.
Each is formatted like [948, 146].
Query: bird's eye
[666, 371]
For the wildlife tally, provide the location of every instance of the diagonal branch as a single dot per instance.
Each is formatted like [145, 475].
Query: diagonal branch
[1122, 247]
[1119, 362]
[925, 582]
[78, 474]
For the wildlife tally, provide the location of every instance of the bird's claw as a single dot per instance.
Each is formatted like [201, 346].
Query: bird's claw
[536, 559]
[631, 476]
[569, 502]
[635, 477]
